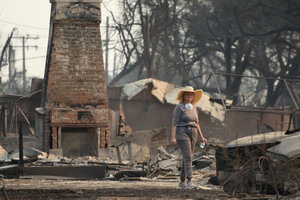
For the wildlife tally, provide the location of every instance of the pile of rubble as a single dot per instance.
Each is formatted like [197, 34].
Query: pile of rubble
[266, 163]
[165, 166]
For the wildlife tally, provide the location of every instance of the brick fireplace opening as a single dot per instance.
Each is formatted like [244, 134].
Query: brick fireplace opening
[74, 94]
[83, 145]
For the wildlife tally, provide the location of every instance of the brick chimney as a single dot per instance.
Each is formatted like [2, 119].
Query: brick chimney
[75, 97]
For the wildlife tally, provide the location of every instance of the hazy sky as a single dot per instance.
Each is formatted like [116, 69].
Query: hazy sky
[31, 17]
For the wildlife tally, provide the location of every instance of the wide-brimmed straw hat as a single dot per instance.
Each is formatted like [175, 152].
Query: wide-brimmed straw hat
[197, 94]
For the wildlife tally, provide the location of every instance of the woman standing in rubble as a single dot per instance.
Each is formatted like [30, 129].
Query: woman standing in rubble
[185, 131]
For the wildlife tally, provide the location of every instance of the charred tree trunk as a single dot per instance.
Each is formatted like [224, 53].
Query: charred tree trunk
[240, 67]
[228, 62]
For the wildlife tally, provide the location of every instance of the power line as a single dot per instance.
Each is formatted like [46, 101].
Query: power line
[30, 58]
[27, 26]
[18, 75]
[41, 28]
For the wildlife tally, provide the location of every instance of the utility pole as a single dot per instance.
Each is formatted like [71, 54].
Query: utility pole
[11, 65]
[24, 39]
[24, 66]
[106, 48]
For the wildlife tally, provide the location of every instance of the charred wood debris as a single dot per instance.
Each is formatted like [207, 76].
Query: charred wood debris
[163, 167]
[243, 169]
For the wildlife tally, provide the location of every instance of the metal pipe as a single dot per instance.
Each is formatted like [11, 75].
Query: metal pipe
[207, 81]
[130, 152]
[218, 87]
[4, 119]
[290, 93]
[119, 125]
[21, 161]
[257, 77]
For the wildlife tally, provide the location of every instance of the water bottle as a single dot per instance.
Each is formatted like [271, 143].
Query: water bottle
[202, 145]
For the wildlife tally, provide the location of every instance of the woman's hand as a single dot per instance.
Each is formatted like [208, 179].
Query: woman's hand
[200, 134]
[173, 141]
[204, 140]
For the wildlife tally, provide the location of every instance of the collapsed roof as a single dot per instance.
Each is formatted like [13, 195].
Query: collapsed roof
[167, 93]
